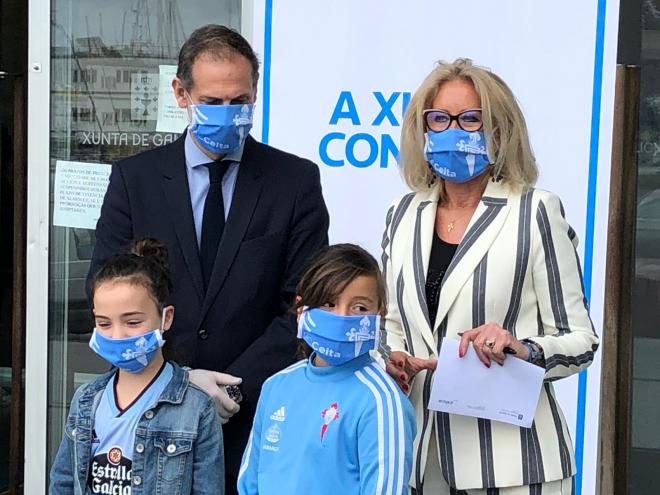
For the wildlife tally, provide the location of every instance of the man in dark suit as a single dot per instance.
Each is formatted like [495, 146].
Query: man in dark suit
[239, 219]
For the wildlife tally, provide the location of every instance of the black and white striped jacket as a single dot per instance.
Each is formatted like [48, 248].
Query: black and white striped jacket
[516, 266]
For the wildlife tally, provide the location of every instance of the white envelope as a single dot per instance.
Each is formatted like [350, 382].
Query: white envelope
[508, 393]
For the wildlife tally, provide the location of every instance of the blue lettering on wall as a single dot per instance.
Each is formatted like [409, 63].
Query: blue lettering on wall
[386, 148]
[350, 149]
[345, 98]
[385, 108]
[323, 149]
[378, 147]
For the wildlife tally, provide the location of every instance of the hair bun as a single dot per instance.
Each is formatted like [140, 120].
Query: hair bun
[152, 249]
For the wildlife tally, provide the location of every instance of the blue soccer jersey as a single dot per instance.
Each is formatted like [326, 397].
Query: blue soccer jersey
[332, 430]
[114, 435]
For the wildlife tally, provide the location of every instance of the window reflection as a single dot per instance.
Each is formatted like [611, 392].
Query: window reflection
[645, 448]
[105, 64]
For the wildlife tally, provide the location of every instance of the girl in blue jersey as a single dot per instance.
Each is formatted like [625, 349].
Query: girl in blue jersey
[333, 423]
[142, 428]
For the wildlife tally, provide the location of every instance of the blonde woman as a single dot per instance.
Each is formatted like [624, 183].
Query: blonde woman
[476, 253]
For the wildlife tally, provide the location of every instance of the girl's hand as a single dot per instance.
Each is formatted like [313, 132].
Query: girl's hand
[403, 367]
[489, 342]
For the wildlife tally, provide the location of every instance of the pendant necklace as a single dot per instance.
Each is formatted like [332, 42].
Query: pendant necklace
[451, 225]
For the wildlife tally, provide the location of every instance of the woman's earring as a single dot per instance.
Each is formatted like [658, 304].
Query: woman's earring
[495, 178]
[433, 177]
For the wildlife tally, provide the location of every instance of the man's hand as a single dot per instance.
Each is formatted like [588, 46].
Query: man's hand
[213, 383]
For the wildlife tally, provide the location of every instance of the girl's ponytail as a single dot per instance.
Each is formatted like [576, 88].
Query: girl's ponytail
[151, 249]
[145, 264]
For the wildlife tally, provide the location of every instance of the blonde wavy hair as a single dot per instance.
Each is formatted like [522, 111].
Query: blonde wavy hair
[504, 127]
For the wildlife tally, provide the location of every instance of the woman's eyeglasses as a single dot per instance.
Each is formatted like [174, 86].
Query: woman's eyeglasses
[439, 120]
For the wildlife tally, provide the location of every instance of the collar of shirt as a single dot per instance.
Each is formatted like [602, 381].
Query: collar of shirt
[337, 372]
[195, 157]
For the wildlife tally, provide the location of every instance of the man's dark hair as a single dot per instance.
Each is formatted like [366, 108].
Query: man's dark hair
[216, 41]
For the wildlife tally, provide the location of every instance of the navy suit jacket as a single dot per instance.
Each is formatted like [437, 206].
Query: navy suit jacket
[242, 325]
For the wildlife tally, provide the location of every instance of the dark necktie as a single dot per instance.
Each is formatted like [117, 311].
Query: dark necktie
[213, 221]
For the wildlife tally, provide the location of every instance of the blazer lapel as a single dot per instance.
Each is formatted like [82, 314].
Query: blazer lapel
[486, 223]
[244, 201]
[177, 198]
[416, 266]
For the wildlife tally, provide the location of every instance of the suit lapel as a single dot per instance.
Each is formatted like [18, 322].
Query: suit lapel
[177, 198]
[423, 213]
[244, 201]
[486, 223]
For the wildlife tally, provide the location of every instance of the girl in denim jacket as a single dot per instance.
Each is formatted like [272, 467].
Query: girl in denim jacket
[141, 428]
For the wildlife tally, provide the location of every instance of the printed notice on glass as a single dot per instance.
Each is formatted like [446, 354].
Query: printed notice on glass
[508, 393]
[144, 96]
[171, 118]
[79, 191]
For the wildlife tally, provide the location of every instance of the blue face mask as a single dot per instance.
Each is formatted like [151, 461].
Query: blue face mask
[131, 354]
[221, 129]
[457, 155]
[336, 338]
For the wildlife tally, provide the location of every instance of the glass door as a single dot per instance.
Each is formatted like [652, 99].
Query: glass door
[645, 435]
[111, 66]
[13, 51]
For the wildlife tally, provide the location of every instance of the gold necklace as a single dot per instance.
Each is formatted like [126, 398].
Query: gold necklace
[451, 225]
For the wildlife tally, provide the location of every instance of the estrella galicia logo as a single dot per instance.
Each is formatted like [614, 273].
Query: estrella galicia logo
[110, 473]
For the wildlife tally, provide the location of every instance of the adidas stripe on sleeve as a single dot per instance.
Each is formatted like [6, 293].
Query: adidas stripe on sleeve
[385, 438]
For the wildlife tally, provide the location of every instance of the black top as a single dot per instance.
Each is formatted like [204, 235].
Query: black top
[441, 254]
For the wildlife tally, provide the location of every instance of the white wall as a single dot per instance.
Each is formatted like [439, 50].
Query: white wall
[546, 51]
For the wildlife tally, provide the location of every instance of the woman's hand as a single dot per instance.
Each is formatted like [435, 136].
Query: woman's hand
[403, 367]
[489, 342]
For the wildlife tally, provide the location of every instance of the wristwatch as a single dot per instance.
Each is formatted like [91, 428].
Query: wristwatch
[535, 355]
[234, 393]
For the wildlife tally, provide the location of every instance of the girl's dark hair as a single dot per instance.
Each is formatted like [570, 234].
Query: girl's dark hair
[328, 274]
[144, 264]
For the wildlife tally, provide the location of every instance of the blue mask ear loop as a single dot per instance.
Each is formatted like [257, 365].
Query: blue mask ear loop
[189, 98]
[161, 330]
[301, 323]
[192, 107]
[377, 334]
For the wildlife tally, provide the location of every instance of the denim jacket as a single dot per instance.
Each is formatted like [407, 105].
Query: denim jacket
[178, 443]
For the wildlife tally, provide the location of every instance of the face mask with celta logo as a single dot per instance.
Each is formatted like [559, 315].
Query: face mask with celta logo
[457, 155]
[221, 129]
[132, 354]
[338, 339]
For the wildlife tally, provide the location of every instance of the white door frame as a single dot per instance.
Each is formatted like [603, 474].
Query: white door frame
[37, 248]
[38, 197]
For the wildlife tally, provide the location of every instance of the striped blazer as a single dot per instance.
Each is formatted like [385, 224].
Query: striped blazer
[516, 266]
